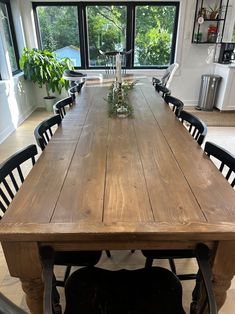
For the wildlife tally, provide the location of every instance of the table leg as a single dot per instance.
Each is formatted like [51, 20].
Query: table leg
[24, 262]
[223, 270]
[34, 294]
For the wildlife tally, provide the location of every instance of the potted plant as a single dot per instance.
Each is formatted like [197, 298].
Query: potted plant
[213, 11]
[42, 67]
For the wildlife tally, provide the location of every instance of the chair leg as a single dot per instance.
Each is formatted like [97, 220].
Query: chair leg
[148, 262]
[67, 273]
[57, 309]
[108, 253]
[195, 296]
[172, 265]
[61, 283]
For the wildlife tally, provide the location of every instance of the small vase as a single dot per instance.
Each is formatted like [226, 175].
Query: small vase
[122, 112]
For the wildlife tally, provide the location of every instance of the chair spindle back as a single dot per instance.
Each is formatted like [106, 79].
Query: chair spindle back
[11, 175]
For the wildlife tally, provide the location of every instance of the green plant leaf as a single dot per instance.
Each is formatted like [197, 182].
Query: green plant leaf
[42, 67]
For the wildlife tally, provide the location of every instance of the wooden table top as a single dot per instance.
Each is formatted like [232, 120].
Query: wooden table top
[122, 180]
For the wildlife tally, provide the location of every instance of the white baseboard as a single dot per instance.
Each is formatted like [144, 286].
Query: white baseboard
[6, 132]
[10, 128]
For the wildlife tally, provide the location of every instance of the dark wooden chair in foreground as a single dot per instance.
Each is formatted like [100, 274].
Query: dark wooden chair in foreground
[196, 127]
[43, 132]
[11, 175]
[8, 307]
[59, 107]
[152, 290]
[176, 104]
[227, 160]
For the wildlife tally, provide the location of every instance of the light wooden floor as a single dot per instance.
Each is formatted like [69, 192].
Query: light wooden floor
[120, 259]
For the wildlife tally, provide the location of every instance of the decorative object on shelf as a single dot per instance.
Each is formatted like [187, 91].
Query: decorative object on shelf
[202, 13]
[209, 21]
[198, 37]
[200, 20]
[213, 12]
[118, 99]
[212, 34]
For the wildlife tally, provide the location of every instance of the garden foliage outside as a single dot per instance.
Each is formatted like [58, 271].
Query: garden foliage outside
[106, 31]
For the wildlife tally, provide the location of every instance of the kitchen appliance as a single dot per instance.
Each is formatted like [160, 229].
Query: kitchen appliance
[224, 52]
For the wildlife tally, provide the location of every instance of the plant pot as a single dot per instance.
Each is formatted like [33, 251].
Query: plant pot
[49, 103]
[214, 15]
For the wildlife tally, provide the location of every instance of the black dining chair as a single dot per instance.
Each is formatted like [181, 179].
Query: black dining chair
[12, 175]
[74, 90]
[61, 105]
[162, 90]
[74, 77]
[167, 77]
[226, 159]
[196, 127]
[43, 132]
[176, 104]
[92, 290]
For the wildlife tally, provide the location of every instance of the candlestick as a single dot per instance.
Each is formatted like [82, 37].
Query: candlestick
[118, 68]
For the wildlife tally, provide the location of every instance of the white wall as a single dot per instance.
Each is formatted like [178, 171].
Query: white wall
[193, 61]
[17, 99]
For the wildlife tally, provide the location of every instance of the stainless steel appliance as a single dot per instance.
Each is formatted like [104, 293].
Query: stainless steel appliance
[224, 52]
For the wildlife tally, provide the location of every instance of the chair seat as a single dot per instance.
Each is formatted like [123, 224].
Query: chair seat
[93, 290]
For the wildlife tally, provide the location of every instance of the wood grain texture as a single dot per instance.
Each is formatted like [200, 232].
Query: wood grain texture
[103, 183]
[145, 175]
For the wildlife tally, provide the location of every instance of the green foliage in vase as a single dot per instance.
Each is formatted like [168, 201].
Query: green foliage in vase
[118, 98]
[42, 67]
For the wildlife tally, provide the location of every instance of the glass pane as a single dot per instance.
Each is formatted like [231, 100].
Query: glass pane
[153, 35]
[59, 31]
[8, 37]
[106, 31]
[233, 36]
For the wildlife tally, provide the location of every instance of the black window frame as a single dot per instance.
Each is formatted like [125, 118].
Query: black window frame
[13, 36]
[130, 32]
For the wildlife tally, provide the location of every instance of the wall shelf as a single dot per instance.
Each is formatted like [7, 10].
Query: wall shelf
[207, 30]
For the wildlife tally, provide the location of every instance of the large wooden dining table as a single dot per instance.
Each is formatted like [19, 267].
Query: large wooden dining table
[110, 183]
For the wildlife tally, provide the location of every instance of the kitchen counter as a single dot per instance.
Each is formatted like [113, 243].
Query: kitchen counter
[226, 93]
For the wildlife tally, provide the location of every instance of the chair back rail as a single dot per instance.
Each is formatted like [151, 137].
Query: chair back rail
[43, 132]
[196, 127]
[162, 90]
[225, 158]
[177, 104]
[11, 175]
[167, 77]
[74, 90]
[61, 104]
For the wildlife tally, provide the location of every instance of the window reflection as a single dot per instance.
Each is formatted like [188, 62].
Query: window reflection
[8, 36]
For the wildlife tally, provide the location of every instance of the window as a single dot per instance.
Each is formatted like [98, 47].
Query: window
[59, 31]
[9, 35]
[154, 35]
[106, 30]
[84, 30]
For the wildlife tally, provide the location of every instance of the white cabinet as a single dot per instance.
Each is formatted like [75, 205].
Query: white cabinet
[226, 93]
